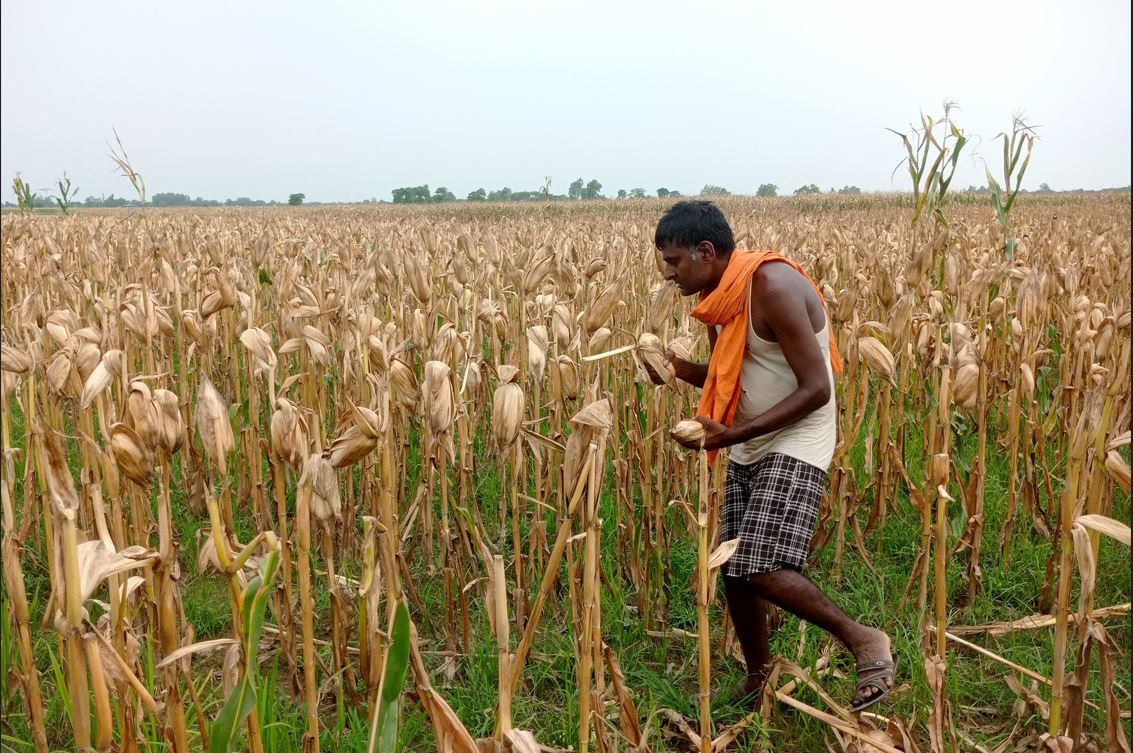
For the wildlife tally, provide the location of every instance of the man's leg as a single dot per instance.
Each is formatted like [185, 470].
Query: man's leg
[749, 615]
[794, 592]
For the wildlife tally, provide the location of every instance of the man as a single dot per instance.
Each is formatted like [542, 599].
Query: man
[769, 396]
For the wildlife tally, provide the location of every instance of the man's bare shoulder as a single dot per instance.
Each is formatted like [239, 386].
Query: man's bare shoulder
[774, 280]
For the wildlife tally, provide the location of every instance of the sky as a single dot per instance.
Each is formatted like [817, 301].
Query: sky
[346, 101]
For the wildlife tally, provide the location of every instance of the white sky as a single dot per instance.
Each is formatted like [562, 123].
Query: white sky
[346, 101]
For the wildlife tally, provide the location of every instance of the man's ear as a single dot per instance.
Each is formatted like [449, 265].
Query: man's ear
[706, 251]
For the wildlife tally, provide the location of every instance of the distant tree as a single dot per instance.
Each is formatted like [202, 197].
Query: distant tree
[411, 195]
[295, 199]
[1044, 188]
[807, 189]
[170, 200]
[767, 189]
[849, 190]
[443, 194]
[593, 190]
[674, 194]
[576, 189]
[478, 195]
[621, 193]
[711, 190]
[504, 194]
[637, 193]
[663, 193]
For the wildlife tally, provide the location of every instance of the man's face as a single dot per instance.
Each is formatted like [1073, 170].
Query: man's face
[687, 267]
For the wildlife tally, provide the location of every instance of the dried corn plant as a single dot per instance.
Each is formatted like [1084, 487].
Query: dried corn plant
[335, 385]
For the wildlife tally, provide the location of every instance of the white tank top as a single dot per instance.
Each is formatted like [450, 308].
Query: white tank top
[765, 379]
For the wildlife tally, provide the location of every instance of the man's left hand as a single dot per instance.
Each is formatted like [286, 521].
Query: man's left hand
[716, 435]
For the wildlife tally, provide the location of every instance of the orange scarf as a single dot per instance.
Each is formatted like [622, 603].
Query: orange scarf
[730, 305]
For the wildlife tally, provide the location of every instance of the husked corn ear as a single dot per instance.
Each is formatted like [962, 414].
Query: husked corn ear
[688, 430]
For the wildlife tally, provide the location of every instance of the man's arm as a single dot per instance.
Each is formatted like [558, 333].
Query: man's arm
[786, 313]
[689, 371]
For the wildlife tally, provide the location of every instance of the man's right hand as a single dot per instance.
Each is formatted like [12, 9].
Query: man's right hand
[653, 375]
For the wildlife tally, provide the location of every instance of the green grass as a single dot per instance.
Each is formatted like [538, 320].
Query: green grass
[661, 673]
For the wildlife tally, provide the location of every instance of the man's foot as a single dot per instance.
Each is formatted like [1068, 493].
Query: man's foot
[744, 693]
[875, 670]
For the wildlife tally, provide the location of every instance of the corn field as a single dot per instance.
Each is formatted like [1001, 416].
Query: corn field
[298, 479]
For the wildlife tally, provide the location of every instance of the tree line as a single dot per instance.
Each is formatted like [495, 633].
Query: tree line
[578, 190]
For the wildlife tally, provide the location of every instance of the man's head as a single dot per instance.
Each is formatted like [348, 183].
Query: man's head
[695, 243]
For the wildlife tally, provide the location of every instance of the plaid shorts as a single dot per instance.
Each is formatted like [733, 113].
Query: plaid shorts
[771, 506]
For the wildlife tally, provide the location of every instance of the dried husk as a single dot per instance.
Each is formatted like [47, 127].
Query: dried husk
[598, 340]
[403, 382]
[319, 476]
[213, 426]
[108, 368]
[171, 428]
[561, 325]
[663, 298]
[133, 455]
[507, 414]
[602, 308]
[437, 399]
[350, 446]
[878, 358]
[142, 414]
[288, 433]
[588, 425]
[537, 343]
[651, 350]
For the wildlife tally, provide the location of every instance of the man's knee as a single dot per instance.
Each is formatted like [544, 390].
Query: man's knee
[762, 582]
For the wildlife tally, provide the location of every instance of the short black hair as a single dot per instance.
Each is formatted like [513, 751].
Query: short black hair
[689, 222]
